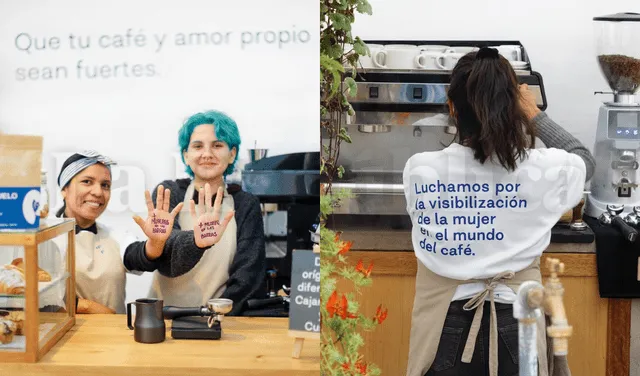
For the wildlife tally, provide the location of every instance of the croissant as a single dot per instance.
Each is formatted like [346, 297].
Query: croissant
[11, 280]
[7, 329]
[43, 276]
[18, 318]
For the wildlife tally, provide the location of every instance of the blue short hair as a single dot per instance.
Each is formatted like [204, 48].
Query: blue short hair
[226, 130]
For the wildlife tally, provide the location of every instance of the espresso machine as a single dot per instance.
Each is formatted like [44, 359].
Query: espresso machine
[399, 112]
[615, 181]
[290, 183]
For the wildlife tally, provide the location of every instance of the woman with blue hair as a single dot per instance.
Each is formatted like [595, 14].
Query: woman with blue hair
[202, 258]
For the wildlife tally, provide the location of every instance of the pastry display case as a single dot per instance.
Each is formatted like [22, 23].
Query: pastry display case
[37, 289]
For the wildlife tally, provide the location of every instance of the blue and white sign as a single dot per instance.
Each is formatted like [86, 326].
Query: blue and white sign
[18, 208]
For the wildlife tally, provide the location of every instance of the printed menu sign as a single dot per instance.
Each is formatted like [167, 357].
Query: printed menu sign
[304, 308]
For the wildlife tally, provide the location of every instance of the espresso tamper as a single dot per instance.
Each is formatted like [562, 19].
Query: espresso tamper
[577, 224]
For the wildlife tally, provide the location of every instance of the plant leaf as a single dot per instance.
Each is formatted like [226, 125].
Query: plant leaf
[340, 21]
[364, 7]
[333, 68]
[361, 48]
[351, 86]
[344, 135]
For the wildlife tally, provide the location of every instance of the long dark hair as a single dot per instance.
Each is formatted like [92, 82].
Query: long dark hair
[485, 96]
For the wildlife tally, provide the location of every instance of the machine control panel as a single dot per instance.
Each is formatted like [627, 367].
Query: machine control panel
[624, 124]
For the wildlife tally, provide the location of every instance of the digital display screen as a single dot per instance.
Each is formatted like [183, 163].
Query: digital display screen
[624, 125]
[627, 119]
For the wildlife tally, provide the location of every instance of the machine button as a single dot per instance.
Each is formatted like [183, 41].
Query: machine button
[373, 92]
[417, 93]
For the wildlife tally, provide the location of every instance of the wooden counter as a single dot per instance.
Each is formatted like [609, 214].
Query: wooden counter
[599, 344]
[101, 345]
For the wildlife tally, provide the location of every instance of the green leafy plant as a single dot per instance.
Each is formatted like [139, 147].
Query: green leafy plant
[341, 321]
[338, 48]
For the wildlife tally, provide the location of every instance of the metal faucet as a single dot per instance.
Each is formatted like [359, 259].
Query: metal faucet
[560, 330]
[531, 297]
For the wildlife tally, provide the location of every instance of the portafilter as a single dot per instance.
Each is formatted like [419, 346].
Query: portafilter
[215, 309]
[633, 218]
[612, 218]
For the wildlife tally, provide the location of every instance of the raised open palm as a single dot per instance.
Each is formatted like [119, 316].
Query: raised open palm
[157, 227]
[207, 228]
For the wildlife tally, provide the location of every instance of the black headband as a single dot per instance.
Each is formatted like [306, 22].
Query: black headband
[78, 162]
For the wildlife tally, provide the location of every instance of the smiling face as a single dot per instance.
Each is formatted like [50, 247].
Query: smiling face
[207, 156]
[87, 194]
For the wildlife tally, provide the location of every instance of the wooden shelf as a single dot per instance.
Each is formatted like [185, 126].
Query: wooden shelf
[49, 229]
[15, 301]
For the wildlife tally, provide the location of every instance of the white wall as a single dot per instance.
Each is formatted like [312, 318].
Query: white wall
[271, 89]
[558, 36]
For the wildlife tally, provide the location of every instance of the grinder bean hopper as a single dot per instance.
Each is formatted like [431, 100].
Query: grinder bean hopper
[615, 180]
[198, 322]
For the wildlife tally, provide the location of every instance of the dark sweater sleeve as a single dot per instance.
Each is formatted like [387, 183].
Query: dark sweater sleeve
[135, 258]
[555, 136]
[180, 254]
[247, 271]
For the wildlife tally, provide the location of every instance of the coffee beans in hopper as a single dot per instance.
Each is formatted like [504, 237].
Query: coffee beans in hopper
[622, 72]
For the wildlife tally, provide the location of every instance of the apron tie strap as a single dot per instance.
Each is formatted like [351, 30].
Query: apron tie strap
[477, 303]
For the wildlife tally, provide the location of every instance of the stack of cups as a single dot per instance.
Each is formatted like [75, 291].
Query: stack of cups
[425, 57]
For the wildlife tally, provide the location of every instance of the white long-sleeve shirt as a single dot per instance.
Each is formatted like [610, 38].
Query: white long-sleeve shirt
[474, 221]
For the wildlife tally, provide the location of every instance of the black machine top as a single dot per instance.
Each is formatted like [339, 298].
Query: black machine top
[451, 43]
[284, 178]
[619, 17]
[294, 161]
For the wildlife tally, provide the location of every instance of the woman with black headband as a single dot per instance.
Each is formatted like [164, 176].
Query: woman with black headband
[85, 180]
[482, 211]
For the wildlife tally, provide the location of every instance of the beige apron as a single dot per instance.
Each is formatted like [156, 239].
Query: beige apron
[431, 303]
[209, 276]
[100, 273]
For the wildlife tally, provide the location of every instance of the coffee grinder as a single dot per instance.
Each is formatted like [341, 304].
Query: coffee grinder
[615, 181]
